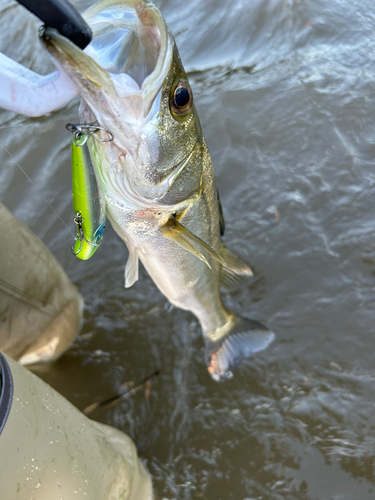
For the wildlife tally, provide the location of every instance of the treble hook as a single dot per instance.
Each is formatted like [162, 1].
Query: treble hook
[79, 129]
[78, 220]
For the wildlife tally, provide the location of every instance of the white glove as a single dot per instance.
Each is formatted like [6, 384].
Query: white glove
[30, 94]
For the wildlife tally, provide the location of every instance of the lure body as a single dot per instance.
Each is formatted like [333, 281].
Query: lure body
[88, 200]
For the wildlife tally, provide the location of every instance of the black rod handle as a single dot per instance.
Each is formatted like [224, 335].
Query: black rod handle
[61, 15]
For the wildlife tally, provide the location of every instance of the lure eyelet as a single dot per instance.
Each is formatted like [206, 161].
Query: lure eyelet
[79, 139]
[181, 100]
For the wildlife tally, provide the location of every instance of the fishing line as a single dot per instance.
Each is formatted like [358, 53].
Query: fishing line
[129, 391]
[22, 170]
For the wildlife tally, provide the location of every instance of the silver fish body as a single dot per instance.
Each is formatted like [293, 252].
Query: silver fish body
[157, 174]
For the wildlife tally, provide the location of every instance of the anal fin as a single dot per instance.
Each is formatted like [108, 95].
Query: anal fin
[131, 268]
[234, 272]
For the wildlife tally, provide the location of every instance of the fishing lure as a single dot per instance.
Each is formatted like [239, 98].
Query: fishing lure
[88, 198]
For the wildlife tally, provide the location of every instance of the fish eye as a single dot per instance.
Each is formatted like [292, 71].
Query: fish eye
[182, 98]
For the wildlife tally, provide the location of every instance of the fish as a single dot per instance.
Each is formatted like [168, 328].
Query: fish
[156, 174]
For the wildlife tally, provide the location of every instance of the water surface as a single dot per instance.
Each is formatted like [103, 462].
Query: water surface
[286, 94]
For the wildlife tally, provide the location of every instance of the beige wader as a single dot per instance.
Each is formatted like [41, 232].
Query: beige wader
[50, 451]
[40, 309]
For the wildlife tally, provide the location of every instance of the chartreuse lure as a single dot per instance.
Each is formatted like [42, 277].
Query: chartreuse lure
[88, 200]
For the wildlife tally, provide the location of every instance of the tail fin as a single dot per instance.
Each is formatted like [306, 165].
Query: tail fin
[239, 338]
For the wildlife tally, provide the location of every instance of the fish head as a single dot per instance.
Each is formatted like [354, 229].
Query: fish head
[133, 84]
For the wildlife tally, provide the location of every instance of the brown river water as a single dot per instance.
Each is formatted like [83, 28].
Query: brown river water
[285, 90]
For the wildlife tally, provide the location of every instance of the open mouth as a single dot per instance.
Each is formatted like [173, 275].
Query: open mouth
[129, 56]
[126, 38]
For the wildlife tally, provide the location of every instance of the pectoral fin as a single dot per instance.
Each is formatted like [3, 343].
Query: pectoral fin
[131, 268]
[183, 237]
[176, 232]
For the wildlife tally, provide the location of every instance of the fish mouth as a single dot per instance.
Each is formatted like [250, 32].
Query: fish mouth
[123, 69]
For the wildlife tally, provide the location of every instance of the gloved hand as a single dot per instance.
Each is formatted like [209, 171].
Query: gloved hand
[28, 93]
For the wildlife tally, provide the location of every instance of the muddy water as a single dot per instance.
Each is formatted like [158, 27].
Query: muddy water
[286, 95]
